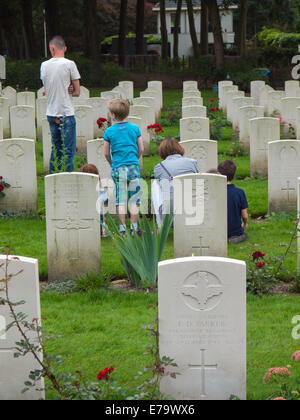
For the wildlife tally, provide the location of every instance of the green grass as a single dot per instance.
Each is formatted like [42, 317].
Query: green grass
[102, 328]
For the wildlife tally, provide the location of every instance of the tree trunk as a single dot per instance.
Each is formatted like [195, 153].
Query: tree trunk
[242, 36]
[193, 33]
[217, 31]
[204, 28]
[52, 18]
[176, 32]
[91, 30]
[30, 46]
[122, 32]
[140, 22]
[164, 33]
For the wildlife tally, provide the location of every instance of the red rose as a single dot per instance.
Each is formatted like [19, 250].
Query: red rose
[260, 265]
[1, 177]
[217, 109]
[257, 255]
[1, 188]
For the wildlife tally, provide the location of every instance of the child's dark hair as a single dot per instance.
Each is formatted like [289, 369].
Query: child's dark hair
[89, 168]
[227, 168]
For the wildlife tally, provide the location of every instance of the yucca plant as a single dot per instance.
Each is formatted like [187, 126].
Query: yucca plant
[141, 254]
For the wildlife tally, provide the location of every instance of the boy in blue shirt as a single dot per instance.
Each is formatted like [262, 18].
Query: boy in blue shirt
[123, 147]
[237, 205]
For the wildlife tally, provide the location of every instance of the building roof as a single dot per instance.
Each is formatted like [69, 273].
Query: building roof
[172, 4]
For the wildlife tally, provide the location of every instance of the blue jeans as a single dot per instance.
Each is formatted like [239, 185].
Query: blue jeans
[63, 133]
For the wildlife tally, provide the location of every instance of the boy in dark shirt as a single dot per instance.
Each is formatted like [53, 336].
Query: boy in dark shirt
[237, 205]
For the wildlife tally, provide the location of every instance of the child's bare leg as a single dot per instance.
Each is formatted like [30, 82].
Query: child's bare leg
[121, 210]
[134, 214]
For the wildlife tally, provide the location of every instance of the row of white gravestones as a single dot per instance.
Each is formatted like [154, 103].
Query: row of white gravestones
[84, 126]
[225, 91]
[194, 111]
[73, 225]
[221, 85]
[200, 221]
[237, 104]
[194, 128]
[274, 102]
[264, 97]
[255, 88]
[22, 287]
[289, 111]
[18, 121]
[192, 101]
[292, 88]
[18, 167]
[262, 131]
[203, 327]
[230, 97]
[283, 171]
[205, 152]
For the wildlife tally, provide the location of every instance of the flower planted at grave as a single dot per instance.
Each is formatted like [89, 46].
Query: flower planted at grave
[155, 131]
[103, 123]
[3, 186]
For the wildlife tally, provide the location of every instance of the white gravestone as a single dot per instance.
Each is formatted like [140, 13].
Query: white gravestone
[141, 110]
[1, 129]
[194, 128]
[145, 134]
[73, 225]
[82, 98]
[225, 92]
[2, 68]
[47, 144]
[192, 101]
[41, 113]
[221, 85]
[200, 221]
[290, 87]
[152, 93]
[149, 102]
[205, 152]
[84, 126]
[146, 114]
[23, 287]
[11, 94]
[238, 103]
[191, 94]
[100, 110]
[262, 131]
[128, 88]
[121, 91]
[194, 111]
[4, 114]
[190, 85]
[247, 113]
[284, 169]
[274, 101]
[158, 86]
[95, 156]
[22, 122]
[109, 95]
[202, 327]
[255, 88]
[289, 111]
[18, 167]
[26, 98]
[230, 97]
[263, 97]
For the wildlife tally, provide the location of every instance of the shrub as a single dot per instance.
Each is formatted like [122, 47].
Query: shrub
[275, 38]
[243, 80]
[111, 74]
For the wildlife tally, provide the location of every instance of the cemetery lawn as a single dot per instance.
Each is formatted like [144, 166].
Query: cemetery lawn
[102, 328]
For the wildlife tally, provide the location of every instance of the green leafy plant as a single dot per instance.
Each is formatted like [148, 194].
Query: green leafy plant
[3, 186]
[237, 150]
[141, 254]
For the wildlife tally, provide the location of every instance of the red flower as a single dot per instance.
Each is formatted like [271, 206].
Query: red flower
[76, 149]
[156, 127]
[257, 255]
[1, 188]
[260, 265]
[104, 374]
[101, 121]
[1, 177]
[212, 100]
[212, 109]
[217, 109]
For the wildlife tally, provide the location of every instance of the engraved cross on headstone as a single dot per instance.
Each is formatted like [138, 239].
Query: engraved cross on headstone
[73, 224]
[288, 189]
[201, 247]
[14, 155]
[203, 367]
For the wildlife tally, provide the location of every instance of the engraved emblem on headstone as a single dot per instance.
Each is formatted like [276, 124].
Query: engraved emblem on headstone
[202, 291]
[73, 224]
[80, 114]
[22, 113]
[251, 113]
[289, 154]
[203, 367]
[198, 152]
[194, 127]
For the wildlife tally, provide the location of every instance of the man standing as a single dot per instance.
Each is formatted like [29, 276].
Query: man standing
[61, 81]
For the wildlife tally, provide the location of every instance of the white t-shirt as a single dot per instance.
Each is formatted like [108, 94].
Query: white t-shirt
[56, 75]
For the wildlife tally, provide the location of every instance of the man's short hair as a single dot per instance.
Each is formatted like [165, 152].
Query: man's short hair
[227, 168]
[120, 108]
[58, 42]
